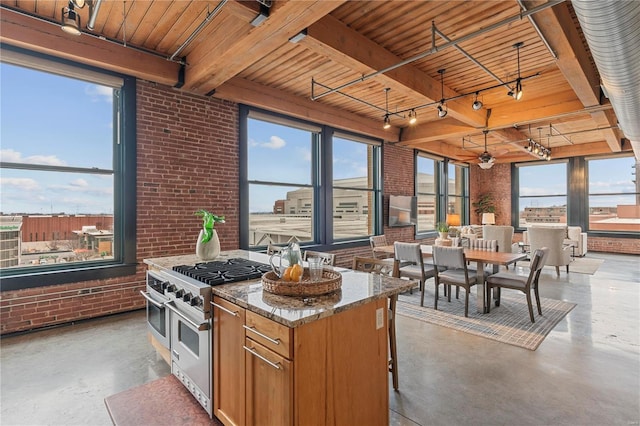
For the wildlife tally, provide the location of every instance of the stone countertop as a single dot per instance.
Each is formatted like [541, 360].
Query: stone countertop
[358, 288]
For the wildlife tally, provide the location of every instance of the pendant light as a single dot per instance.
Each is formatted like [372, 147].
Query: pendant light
[517, 92]
[442, 109]
[387, 122]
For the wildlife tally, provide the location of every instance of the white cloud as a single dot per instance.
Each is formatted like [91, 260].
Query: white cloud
[79, 183]
[99, 93]
[22, 184]
[12, 156]
[275, 142]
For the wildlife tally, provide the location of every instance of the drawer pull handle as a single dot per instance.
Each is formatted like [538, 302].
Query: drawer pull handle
[234, 313]
[275, 365]
[253, 329]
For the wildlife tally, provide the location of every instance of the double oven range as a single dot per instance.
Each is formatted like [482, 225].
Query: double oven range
[179, 312]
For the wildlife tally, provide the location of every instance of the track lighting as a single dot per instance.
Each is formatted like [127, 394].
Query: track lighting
[442, 112]
[516, 93]
[387, 122]
[413, 117]
[537, 148]
[476, 103]
[70, 18]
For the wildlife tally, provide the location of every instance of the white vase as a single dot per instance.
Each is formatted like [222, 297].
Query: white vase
[209, 250]
[443, 235]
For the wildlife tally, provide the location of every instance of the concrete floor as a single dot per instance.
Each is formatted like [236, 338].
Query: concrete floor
[586, 372]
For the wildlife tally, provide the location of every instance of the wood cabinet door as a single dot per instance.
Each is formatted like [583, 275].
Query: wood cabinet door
[228, 362]
[269, 387]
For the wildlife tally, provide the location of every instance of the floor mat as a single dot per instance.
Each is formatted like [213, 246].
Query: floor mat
[507, 323]
[579, 265]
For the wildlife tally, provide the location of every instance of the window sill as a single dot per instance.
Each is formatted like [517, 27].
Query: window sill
[67, 276]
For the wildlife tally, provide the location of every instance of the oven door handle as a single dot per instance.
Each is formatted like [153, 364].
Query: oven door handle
[200, 327]
[150, 300]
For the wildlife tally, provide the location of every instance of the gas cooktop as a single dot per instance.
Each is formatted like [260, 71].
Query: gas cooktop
[224, 272]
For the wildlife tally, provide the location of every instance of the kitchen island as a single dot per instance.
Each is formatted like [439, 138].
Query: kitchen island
[296, 360]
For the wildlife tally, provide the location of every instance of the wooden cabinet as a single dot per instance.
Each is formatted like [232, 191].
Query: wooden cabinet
[329, 371]
[228, 362]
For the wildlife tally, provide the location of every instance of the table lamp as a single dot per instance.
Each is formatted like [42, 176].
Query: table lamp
[488, 219]
[453, 219]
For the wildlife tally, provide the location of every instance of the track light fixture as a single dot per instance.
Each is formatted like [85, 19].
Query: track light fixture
[70, 18]
[476, 103]
[516, 93]
[442, 110]
[413, 117]
[387, 123]
[537, 148]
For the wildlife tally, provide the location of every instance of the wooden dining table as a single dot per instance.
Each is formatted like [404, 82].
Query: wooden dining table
[481, 257]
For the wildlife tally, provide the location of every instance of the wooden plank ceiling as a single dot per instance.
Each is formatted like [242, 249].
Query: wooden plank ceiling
[347, 43]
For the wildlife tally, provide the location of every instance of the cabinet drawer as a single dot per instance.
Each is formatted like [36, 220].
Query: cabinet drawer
[268, 333]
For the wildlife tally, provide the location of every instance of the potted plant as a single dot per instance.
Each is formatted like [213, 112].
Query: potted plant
[443, 230]
[484, 204]
[208, 244]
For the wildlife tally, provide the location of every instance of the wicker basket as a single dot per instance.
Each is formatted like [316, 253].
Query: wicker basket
[331, 281]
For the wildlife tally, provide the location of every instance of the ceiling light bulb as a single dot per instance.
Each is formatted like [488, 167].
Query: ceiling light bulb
[476, 105]
[70, 20]
[387, 122]
[536, 149]
[518, 93]
[442, 113]
[485, 166]
[413, 118]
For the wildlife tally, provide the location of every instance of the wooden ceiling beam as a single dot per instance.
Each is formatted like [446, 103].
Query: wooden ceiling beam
[434, 131]
[335, 40]
[285, 20]
[43, 37]
[567, 151]
[247, 92]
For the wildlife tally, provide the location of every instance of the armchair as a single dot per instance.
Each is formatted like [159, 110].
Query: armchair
[553, 238]
[504, 236]
[574, 237]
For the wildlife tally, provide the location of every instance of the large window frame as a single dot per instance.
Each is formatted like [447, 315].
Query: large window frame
[443, 195]
[577, 195]
[124, 179]
[321, 182]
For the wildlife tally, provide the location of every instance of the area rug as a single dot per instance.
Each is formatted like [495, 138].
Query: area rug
[579, 265]
[507, 323]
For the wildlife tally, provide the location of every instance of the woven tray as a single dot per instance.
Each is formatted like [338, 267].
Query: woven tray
[331, 281]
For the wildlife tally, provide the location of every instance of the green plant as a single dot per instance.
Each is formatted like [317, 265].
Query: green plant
[208, 221]
[442, 227]
[484, 204]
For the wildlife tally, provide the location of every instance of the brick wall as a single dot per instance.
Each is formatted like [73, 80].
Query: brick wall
[614, 245]
[187, 160]
[497, 182]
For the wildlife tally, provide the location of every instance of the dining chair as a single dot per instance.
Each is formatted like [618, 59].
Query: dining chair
[272, 249]
[378, 241]
[451, 269]
[382, 266]
[411, 264]
[328, 259]
[519, 282]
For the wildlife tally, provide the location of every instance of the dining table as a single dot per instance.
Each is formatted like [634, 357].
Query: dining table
[481, 257]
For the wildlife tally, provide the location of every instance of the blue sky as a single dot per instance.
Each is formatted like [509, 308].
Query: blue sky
[48, 119]
[55, 121]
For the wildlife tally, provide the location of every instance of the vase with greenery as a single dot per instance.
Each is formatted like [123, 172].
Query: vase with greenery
[443, 230]
[208, 244]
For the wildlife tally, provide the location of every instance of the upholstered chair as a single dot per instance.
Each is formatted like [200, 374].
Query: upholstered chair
[553, 238]
[412, 265]
[451, 269]
[502, 234]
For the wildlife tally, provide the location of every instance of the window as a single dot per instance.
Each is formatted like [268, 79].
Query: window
[542, 193]
[63, 180]
[426, 185]
[354, 188]
[306, 183]
[614, 194]
[457, 192]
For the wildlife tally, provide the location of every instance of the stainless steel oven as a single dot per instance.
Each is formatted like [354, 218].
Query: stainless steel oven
[157, 313]
[191, 353]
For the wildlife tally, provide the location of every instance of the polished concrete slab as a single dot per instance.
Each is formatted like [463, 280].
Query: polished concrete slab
[586, 372]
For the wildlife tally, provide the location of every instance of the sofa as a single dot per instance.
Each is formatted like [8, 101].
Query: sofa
[574, 237]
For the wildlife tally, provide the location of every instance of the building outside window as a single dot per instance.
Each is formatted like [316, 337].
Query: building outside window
[296, 171]
[457, 193]
[61, 165]
[614, 194]
[426, 191]
[542, 193]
